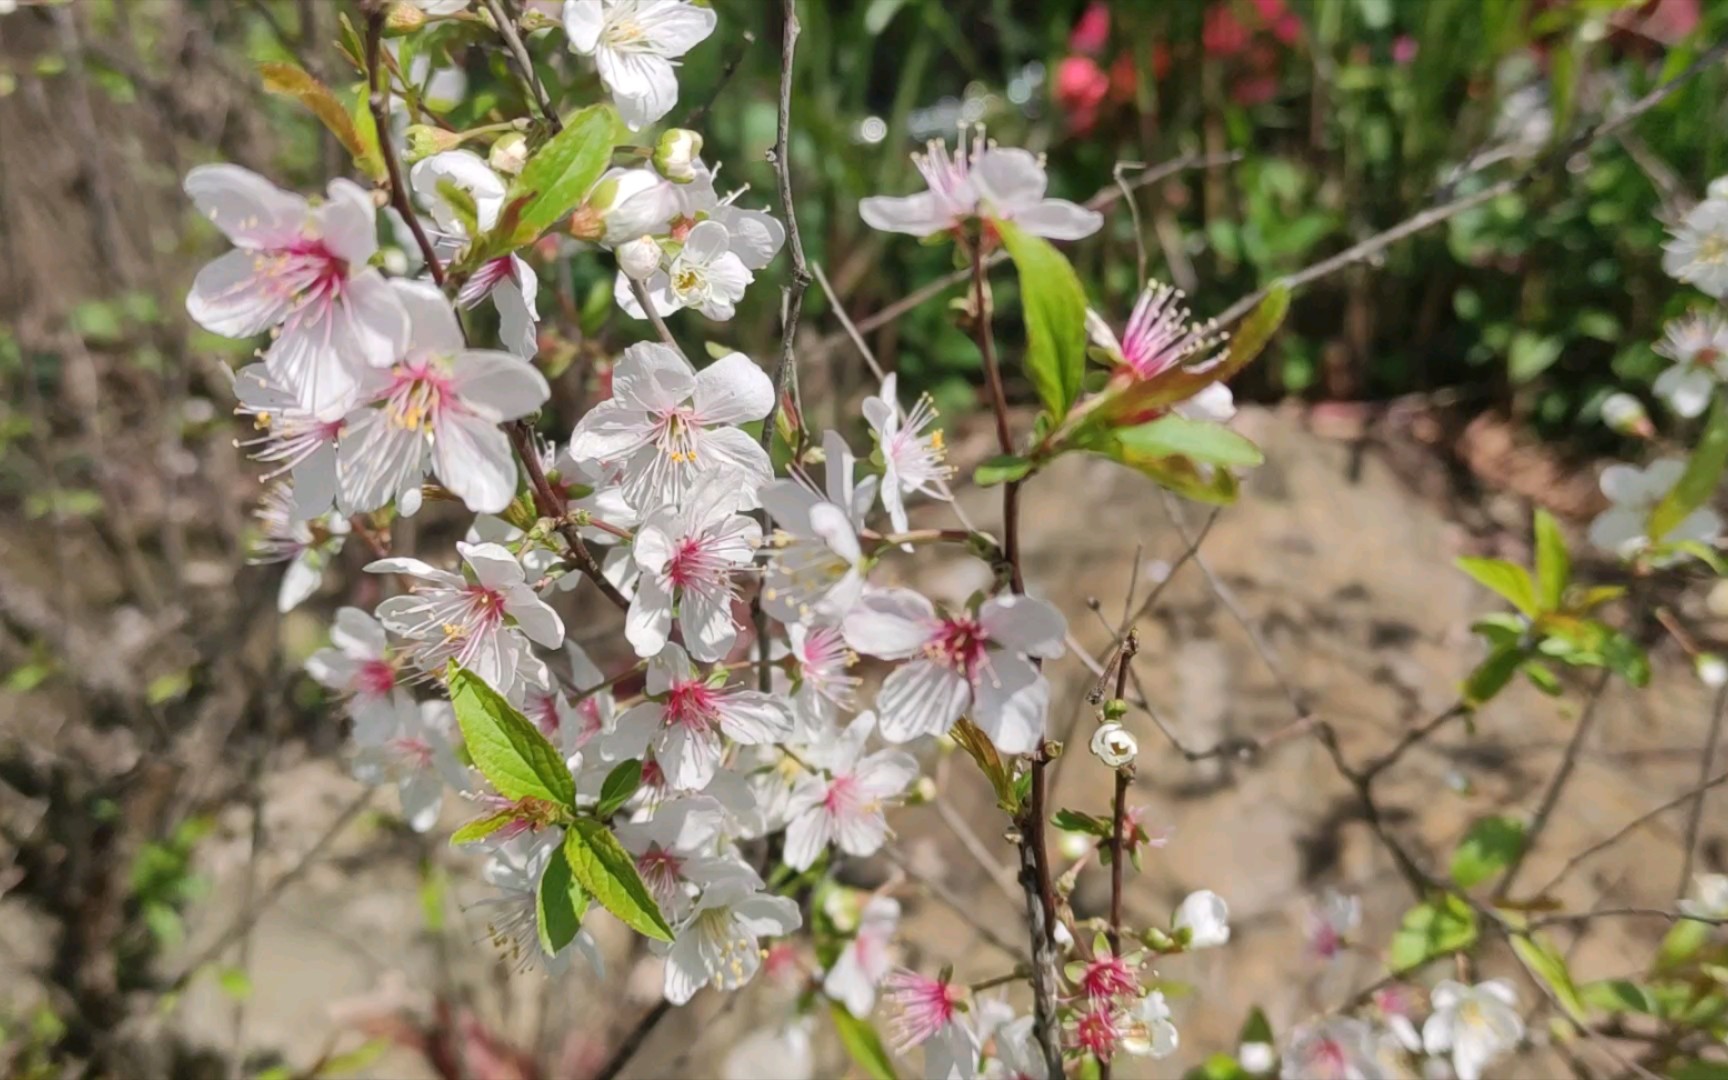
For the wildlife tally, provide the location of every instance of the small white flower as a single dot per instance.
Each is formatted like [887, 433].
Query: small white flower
[306, 546]
[1476, 1024]
[294, 440]
[419, 755]
[1330, 921]
[706, 274]
[1710, 897]
[633, 202]
[1339, 1048]
[1698, 346]
[718, 944]
[1625, 414]
[469, 173]
[303, 269]
[1206, 917]
[866, 959]
[1257, 1058]
[358, 665]
[1697, 253]
[1005, 184]
[778, 1053]
[847, 806]
[639, 259]
[666, 423]
[686, 720]
[911, 460]
[675, 155]
[440, 406]
[1018, 1055]
[816, 571]
[1148, 1031]
[673, 851]
[1160, 336]
[1711, 669]
[688, 556]
[485, 624]
[1623, 528]
[956, 662]
[634, 44]
[1114, 745]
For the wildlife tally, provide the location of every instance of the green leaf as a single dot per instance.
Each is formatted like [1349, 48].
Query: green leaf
[559, 904]
[1531, 354]
[1542, 677]
[1217, 1067]
[1700, 1070]
[1618, 995]
[620, 784]
[1196, 440]
[1491, 675]
[1505, 579]
[1681, 944]
[979, 747]
[1488, 848]
[1181, 383]
[1703, 472]
[1546, 965]
[508, 749]
[862, 1044]
[1430, 930]
[1080, 822]
[1705, 554]
[1053, 305]
[235, 983]
[1002, 469]
[292, 81]
[1553, 563]
[1190, 479]
[1626, 658]
[608, 872]
[561, 172]
[481, 827]
[1256, 1029]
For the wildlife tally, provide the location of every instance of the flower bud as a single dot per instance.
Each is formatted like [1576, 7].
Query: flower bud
[1712, 670]
[424, 140]
[675, 155]
[1072, 845]
[1625, 415]
[404, 18]
[639, 258]
[1114, 746]
[509, 153]
[587, 223]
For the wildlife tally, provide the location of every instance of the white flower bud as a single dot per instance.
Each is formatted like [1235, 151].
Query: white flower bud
[1072, 845]
[675, 155]
[1712, 670]
[1113, 744]
[1624, 414]
[639, 258]
[509, 153]
[1257, 1057]
[1206, 918]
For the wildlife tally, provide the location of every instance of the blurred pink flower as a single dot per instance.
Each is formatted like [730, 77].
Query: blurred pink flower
[1091, 30]
[1081, 86]
[1403, 49]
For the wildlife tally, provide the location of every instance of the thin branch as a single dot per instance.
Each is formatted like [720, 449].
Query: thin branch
[1697, 793]
[379, 102]
[695, 116]
[524, 65]
[782, 161]
[1696, 817]
[634, 1040]
[959, 905]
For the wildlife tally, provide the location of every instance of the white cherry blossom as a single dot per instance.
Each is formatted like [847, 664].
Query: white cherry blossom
[484, 624]
[418, 755]
[1160, 336]
[687, 719]
[292, 439]
[912, 461]
[1697, 252]
[358, 665]
[634, 44]
[847, 806]
[1206, 917]
[960, 662]
[1698, 346]
[816, 568]
[440, 406]
[673, 851]
[689, 556]
[302, 269]
[866, 959]
[667, 423]
[983, 180]
[1623, 529]
[718, 945]
[1475, 1024]
[307, 546]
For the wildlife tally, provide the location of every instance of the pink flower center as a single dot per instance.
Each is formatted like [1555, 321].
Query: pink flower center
[485, 608]
[843, 797]
[412, 752]
[375, 678]
[1096, 1032]
[420, 392]
[925, 1006]
[660, 870]
[961, 646]
[695, 562]
[692, 705]
[1108, 977]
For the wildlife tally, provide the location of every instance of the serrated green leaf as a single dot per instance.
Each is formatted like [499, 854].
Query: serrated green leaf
[505, 746]
[609, 874]
[1189, 479]
[1488, 848]
[1430, 930]
[1703, 473]
[1001, 469]
[559, 904]
[1548, 966]
[619, 785]
[1197, 440]
[1053, 306]
[862, 1044]
[1553, 562]
[561, 172]
[1505, 579]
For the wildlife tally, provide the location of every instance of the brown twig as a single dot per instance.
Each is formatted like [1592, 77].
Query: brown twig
[379, 103]
[1696, 792]
[524, 65]
[1696, 817]
[634, 1040]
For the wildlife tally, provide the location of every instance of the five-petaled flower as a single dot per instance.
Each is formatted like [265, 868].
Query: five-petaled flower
[847, 805]
[634, 44]
[688, 555]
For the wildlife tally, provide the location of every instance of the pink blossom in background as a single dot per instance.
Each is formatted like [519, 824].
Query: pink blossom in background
[1403, 49]
[1223, 34]
[1081, 87]
[1091, 30]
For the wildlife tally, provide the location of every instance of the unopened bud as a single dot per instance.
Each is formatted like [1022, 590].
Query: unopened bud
[1073, 844]
[1625, 415]
[424, 140]
[404, 18]
[509, 153]
[587, 224]
[675, 155]
[639, 258]
[923, 791]
[1712, 670]
[1114, 745]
